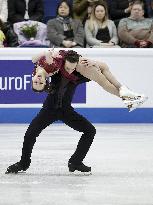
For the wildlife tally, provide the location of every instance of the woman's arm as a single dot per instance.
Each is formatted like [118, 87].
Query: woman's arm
[79, 34]
[53, 35]
[114, 38]
[49, 55]
[124, 34]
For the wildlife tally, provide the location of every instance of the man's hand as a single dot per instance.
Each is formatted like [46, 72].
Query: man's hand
[143, 44]
[105, 45]
[87, 63]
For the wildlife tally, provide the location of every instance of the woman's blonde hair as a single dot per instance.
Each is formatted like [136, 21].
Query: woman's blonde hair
[93, 20]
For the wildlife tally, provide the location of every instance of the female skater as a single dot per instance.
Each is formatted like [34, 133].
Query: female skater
[51, 62]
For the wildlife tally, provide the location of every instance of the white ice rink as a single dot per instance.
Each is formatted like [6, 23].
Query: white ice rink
[121, 157]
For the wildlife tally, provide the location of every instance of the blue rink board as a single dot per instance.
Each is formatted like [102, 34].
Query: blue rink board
[95, 115]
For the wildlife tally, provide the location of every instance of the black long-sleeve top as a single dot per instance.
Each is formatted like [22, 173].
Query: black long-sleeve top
[63, 91]
[117, 9]
[17, 9]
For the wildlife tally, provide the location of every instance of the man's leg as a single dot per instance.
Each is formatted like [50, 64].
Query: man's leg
[79, 123]
[40, 122]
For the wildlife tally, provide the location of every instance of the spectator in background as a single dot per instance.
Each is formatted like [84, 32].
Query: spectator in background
[136, 31]
[50, 9]
[64, 31]
[7, 36]
[21, 10]
[120, 9]
[99, 30]
[149, 8]
[82, 9]
[3, 10]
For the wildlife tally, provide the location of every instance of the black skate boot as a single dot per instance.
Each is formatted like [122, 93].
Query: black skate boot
[79, 167]
[17, 167]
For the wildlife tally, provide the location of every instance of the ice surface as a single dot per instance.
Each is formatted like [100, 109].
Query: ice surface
[121, 158]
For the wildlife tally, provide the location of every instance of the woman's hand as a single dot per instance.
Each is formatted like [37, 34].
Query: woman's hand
[105, 45]
[111, 43]
[67, 44]
[74, 43]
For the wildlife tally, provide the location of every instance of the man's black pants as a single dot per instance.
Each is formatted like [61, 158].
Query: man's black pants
[69, 117]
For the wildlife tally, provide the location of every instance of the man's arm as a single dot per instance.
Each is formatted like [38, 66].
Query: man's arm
[53, 34]
[39, 12]
[81, 78]
[12, 15]
[124, 33]
[117, 13]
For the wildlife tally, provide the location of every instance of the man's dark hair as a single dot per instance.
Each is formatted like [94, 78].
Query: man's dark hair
[72, 56]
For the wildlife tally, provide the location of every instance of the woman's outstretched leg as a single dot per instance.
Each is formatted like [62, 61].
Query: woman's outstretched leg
[100, 73]
[131, 99]
[105, 83]
[109, 76]
[94, 73]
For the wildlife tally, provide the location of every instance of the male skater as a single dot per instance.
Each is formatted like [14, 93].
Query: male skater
[57, 106]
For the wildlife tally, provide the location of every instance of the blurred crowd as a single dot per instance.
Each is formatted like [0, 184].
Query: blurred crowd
[76, 23]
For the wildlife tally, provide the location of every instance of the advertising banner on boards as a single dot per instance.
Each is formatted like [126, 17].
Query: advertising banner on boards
[15, 84]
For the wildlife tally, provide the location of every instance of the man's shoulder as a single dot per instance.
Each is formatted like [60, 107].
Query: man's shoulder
[77, 74]
[80, 78]
[125, 19]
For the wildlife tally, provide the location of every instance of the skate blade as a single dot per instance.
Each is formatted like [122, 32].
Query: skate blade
[7, 172]
[19, 172]
[132, 105]
[127, 98]
[78, 173]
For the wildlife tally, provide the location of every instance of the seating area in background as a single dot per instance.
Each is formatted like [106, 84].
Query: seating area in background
[96, 23]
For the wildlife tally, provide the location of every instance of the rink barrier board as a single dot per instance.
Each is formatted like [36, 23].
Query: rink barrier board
[94, 115]
[98, 106]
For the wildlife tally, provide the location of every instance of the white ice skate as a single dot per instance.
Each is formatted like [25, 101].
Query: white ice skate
[132, 104]
[131, 99]
[126, 93]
